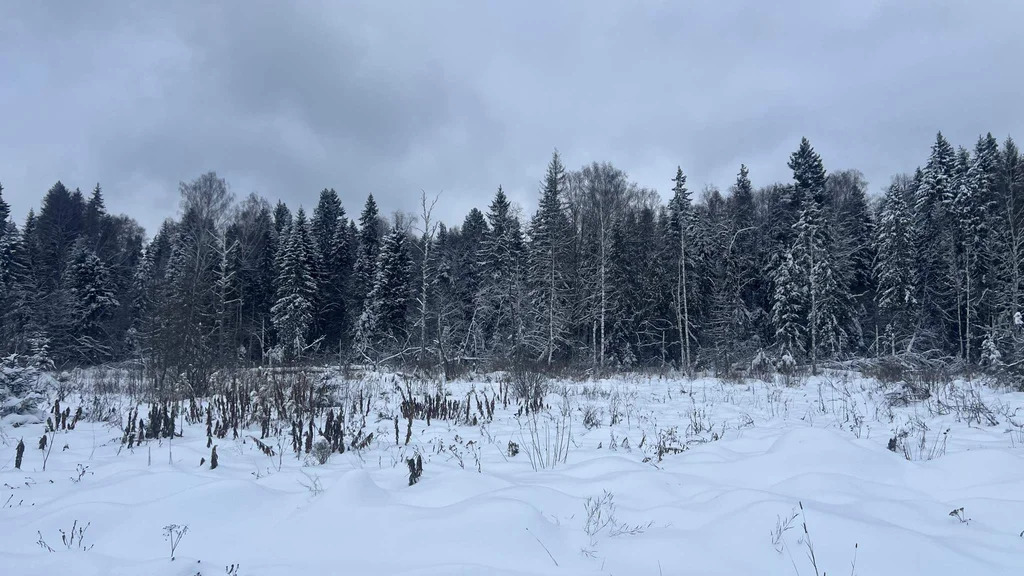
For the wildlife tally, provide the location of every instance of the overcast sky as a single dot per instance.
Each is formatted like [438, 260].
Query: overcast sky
[286, 98]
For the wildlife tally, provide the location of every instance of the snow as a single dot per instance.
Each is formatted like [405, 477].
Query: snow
[754, 452]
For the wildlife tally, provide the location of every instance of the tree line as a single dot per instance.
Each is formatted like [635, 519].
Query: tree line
[602, 274]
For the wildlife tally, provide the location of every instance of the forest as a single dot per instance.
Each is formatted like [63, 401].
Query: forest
[602, 274]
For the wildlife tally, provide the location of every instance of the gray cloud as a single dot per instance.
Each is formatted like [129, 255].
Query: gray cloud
[395, 97]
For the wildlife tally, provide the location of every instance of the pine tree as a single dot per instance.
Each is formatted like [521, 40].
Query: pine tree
[296, 289]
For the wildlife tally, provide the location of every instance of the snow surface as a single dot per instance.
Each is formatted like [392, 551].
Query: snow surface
[711, 509]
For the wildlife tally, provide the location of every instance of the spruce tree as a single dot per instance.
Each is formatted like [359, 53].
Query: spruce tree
[894, 266]
[968, 213]
[95, 214]
[251, 279]
[827, 301]
[990, 245]
[624, 269]
[149, 288]
[449, 324]
[789, 306]
[550, 239]
[328, 219]
[469, 279]
[721, 313]
[15, 290]
[1007, 250]
[382, 327]
[745, 253]
[370, 233]
[55, 233]
[852, 248]
[296, 290]
[5, 208]
[282, 220]
[681, 211]
[93, 301]
[501, 291]
[342, 261]
[934, 245]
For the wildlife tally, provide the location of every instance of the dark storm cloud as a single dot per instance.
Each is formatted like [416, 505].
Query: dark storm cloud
[395, 97]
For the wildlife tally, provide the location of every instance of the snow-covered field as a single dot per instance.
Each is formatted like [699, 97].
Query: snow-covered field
[667, 476]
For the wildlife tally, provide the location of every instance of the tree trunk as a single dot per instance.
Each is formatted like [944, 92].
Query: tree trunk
[604, 291]
[551, 304]
[682, 304]
[814, 318]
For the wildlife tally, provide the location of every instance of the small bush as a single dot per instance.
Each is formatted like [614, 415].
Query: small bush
[322, 452]
[786, 366]
[600, 515]
[912, 442]
[546, 439]
[887, 370]
[591, 417]
[761, 366]
[529, 387]
[669, 443]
